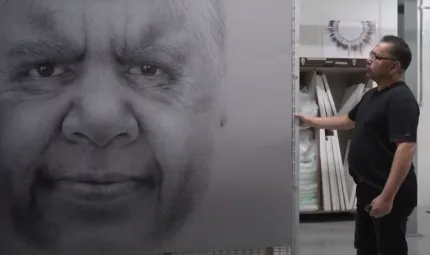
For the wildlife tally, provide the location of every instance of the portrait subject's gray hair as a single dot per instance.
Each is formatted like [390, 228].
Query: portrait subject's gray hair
[207, 20]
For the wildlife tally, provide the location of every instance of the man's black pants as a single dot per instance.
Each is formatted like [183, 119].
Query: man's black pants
[383, 236]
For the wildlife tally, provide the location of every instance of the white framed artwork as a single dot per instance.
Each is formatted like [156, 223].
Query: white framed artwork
[348, 39]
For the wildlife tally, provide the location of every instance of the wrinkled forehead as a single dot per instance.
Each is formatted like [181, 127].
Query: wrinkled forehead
[119, 19]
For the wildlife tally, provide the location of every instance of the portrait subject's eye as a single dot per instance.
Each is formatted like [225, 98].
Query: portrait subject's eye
[45, 71]
[147, 71]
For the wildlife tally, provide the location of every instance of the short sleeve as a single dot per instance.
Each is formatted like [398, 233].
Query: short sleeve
[403, 116]
[353, 113]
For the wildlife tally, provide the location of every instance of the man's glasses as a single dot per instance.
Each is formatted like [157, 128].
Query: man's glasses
[373, 56]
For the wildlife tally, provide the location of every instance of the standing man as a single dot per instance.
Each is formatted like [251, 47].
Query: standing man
[382, 150]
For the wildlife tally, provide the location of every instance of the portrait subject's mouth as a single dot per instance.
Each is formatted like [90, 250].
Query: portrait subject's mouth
[95, 191]
[98, 188]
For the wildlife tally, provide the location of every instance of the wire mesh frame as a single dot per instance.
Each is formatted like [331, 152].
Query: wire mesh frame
[295, 87]
[267, 251]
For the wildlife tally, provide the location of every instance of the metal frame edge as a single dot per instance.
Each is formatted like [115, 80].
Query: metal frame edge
[294, 250]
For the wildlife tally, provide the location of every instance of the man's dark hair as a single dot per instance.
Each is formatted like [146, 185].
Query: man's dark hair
[399, 50]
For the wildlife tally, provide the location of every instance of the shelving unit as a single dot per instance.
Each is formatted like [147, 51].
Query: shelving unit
[328, 87]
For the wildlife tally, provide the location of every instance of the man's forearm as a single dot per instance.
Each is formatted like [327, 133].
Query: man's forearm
[399, 170]
[332, 123]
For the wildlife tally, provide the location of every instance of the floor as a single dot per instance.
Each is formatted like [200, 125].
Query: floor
[333, 238]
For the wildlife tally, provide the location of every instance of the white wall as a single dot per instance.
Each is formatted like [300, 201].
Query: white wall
[314, 13]
[423, 131]
[423, 151]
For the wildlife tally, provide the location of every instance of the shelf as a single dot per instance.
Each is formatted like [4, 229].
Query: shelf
[333, 65]
[326, 212]
[323, 216]
[334, 92]
[333, 62]
[334, 69]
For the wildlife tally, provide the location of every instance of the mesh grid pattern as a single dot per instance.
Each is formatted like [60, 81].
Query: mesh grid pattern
[267, 251]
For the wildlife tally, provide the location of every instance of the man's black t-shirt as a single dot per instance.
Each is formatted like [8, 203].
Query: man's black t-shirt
[383, 118]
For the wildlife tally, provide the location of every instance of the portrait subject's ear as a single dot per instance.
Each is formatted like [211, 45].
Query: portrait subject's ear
[222, 111]
[222, 96]
[223, 118]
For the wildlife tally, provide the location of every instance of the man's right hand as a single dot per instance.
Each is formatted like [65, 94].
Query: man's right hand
[304, 120]
[342, 122]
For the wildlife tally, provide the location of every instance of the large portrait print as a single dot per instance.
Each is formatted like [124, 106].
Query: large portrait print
[145, 126]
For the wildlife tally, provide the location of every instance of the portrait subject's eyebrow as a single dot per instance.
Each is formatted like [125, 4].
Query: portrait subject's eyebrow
[156, 52]
[40, 51]
[156, 42]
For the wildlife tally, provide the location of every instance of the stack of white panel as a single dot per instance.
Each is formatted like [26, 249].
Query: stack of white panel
[336, 195]
[308, 157]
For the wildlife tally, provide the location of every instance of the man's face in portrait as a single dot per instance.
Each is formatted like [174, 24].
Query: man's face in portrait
[107, 114]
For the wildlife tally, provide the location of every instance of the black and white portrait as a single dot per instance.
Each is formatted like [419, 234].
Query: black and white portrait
[115, 126]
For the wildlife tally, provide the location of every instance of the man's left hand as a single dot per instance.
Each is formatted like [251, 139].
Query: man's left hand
[381, 206]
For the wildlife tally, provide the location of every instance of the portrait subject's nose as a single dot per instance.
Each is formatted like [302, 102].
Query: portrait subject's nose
[102, 119]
